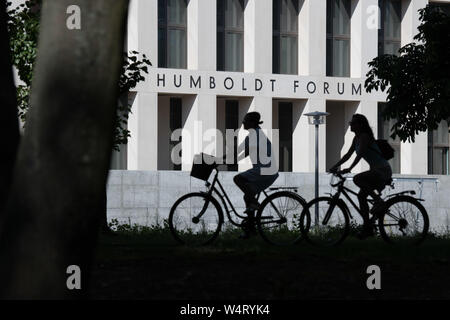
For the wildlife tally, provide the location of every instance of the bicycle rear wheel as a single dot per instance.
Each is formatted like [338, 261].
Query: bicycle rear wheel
[404, 221]
[195, 219]
[279, 217]
[320, 232]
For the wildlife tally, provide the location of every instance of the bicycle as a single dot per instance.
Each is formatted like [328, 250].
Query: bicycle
[196, 218]
[401, 217]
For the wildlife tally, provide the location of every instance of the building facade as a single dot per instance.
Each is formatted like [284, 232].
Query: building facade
[215, 60]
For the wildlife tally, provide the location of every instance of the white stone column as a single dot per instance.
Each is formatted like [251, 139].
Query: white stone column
[143, 125]
[201, 36]
[312, 37]
[199, 127]
[370, 110]
[414, 156]
[258, 36]
[364, 35]
[303, 137]
[143, 28]
[410, 19]
[142, 36]
[263, 105]
[312, 62]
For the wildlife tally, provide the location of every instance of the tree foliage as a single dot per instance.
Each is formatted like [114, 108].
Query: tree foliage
[417, 81]
[23, 28]
[131, 75]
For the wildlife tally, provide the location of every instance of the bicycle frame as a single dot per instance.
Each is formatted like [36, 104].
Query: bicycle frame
[225, 199]
[345, 191]
[387, 217]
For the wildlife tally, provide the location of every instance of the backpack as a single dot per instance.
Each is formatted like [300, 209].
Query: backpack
[387, 152]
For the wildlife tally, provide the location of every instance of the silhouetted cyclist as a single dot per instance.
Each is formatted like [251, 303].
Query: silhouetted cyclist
[380, 172]
[264, 171]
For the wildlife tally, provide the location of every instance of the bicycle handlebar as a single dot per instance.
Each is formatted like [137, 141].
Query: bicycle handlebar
[338, 174]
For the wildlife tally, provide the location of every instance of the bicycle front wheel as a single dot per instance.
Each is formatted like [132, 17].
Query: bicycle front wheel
[195, 219]
[403, 221]
[279, 217]
[328, 222]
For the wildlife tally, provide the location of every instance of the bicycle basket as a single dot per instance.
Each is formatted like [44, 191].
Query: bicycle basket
[203, 166]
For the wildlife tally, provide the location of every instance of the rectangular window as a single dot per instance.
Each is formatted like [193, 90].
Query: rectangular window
[338, 38]
[232, 122]
[172, 34]
[384, 132]
[389, 35]
[175, 123]
[438, 148]
[285, 136]
[442, 7]
[285, 36]
[119, 159]
[230, 35]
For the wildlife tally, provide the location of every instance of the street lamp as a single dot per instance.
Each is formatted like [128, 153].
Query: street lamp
[317, 118]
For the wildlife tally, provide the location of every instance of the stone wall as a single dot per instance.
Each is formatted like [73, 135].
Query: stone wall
[145, 197]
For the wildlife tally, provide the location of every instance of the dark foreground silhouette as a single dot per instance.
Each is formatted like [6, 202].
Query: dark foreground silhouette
[154, 267]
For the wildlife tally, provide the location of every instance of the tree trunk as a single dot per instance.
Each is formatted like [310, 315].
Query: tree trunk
[104, 227]
[51, 218]
[9, 125]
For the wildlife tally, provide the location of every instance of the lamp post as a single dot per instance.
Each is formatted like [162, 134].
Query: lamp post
[316, 118]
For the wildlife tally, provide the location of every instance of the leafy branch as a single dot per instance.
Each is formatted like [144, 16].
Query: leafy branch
[23, 27]
[417, 81]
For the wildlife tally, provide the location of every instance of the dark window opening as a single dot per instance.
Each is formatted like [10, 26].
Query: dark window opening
[232, 122]
[384, 132]
[285, 37]
[389, 34]
[175, 123]
[438, 149]
[285, 136]
[230, 35]
[172, 34]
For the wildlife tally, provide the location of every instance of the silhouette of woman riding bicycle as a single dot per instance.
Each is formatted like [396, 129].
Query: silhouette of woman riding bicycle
[377, 177]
